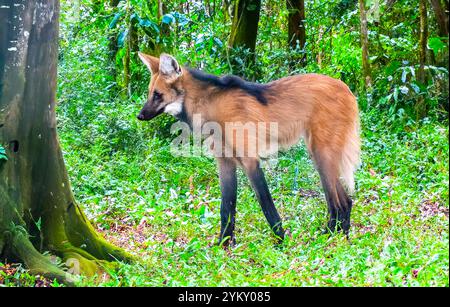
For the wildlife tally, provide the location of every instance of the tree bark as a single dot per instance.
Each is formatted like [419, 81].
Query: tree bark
[319, 43]
[244, 30]
[131, 47]
[423, 39]
[365, 45]
[113, 46]
[441, 17]
[37, 208]
[161, 9]
[127, 58]
[296, 27]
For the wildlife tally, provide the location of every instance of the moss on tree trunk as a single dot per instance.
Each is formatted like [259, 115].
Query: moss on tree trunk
[37, 208]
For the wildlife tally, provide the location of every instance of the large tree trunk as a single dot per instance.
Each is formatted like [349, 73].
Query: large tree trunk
[296, 27]
[244, 30]
[37, 209]
[441, 17]
[365, 45]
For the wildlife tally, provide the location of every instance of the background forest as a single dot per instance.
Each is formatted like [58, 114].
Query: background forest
[165, 209]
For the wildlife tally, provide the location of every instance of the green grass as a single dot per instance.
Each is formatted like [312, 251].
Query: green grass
[165, 209]
[168, 210]
[18, 276]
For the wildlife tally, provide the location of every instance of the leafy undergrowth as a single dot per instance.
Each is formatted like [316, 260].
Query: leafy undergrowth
[165, 209]
[15, 275]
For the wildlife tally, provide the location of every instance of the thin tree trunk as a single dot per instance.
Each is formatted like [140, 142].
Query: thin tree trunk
[245, 24]
[131, 47]
[319, 44]
[37, 208]
[423, 39]
[113, 46]
[243, 35]
[441, 17]
[161, 10]
[296, 28]
[226, 10]
[331, 40]
[207, 6]
[365, 45]
[165, 30]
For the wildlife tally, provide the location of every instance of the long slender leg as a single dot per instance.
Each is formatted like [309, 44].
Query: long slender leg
[347, 204]
[332, 202]
[228, 187]
[339, 203]
[259, 184]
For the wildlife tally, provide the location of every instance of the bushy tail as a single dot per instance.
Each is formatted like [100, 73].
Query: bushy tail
[351, 157]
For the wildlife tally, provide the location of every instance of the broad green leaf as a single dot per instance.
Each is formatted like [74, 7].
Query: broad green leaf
[435, 44]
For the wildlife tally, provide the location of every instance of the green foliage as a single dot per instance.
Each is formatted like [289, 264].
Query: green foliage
[404, 89]
[436, 44]
[166, 209]
[18, 276]
[196, 34]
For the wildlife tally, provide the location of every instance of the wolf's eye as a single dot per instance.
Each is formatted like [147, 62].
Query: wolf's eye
[157, 96]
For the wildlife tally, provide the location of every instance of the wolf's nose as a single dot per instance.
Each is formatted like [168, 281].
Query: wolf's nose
[140, 117]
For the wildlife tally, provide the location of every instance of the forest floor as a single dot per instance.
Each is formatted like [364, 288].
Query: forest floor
[166, 210]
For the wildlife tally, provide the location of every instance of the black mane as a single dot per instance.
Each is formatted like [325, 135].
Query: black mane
[232, 82]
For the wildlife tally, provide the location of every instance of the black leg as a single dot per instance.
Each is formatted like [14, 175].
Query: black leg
[346, 204]
[331, 199]
[259, 184]
[228, 187]
[339, 206]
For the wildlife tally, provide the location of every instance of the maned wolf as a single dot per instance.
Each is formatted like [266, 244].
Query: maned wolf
[319, 109]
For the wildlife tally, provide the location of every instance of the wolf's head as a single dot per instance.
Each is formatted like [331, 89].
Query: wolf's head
[165, 91]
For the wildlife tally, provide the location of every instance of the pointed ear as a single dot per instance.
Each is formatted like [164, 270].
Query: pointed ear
[151, 62]
[169, 67]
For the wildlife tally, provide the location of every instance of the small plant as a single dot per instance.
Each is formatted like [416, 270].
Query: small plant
[3, 153]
